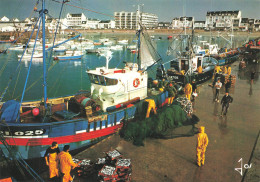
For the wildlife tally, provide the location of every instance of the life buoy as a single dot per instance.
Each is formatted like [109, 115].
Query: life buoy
[136, 82]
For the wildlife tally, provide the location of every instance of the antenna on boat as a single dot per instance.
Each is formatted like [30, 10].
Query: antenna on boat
[139, 34]
[108, 56]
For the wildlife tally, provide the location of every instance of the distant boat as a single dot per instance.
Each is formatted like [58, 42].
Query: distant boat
[130, 47]
[60, 49]
[122, 42]
[27, 57]
[116, 48]
[70, 55]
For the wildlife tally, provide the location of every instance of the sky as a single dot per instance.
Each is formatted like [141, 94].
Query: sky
[166, 10]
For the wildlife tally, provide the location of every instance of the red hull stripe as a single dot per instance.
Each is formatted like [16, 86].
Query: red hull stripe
[64, 139]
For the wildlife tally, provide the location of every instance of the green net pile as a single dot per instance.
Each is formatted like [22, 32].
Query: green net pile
[169, 122]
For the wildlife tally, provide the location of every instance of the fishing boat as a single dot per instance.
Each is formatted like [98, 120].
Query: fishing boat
[188, 65]
[82, 119]
[226, 57]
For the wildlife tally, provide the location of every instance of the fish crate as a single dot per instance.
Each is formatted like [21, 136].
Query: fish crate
[86, 167]
[107, 173]
[123, 165]
[100, 163]
[113, 155]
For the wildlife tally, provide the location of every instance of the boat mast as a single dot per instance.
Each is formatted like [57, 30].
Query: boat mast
[139, 36]
[44, 53]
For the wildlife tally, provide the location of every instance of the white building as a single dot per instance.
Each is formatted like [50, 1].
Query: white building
[78, 20]
[182, 22]
[199, 25]
[222, 20]
[243, 24]
[106, 24]
[92, 24]
[257, 25]
[129, 20]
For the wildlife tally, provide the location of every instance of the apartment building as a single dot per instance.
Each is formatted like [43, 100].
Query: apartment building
[221, 20]
[130, 20]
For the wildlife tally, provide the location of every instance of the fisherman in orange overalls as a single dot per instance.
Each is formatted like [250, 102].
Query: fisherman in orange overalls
[188, 90]
[151, 106]
[51, 160]
[66, 163]
[201, 146]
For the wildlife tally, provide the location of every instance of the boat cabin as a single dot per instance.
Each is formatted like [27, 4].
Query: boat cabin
[110, 87]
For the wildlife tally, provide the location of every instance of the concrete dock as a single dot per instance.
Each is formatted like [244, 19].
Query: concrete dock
[231, 138]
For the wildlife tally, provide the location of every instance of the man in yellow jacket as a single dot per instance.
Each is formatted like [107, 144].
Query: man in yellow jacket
[229, 70]
[188, 90]
[151, 106]
[201, 146]
[51, 160]
[66, 164]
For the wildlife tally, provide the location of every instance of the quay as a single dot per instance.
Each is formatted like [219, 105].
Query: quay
[230, 138]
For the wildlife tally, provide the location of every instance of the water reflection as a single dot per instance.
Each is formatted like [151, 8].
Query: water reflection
[222, 125]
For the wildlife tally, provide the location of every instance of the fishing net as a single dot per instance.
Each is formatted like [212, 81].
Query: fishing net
[170, 122]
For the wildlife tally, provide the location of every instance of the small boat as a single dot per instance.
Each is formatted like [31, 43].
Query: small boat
[169, 37]
[130, 47]
[116, 48]
[70, 55]
[107, 43]
[37, 57]
[60, 49]
[122, 41]
[97, 43]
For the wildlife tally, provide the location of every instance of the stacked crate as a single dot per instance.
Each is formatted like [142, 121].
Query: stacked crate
[116, 168]
[86, 167]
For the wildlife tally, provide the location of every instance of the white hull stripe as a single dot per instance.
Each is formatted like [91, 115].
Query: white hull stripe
[43, 136]
[80, 131]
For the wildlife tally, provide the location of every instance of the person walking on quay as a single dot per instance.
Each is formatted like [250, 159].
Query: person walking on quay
[227, 85]
[65, 164]
[51, 161]
[252, 77]
[202, 143]
[218, 86]
[194, 90]
[188, 90]
[225, 103]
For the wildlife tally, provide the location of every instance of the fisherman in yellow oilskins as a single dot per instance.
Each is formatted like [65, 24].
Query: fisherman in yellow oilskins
[151, 106]
[201, 146]
[229, 70]
[199, 69]
[188, 90]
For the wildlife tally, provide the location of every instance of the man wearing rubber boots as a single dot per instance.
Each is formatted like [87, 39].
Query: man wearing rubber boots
[201, 146]
[51, 161]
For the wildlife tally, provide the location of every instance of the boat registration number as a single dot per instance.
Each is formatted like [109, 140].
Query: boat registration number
[24, 133]
[175, 77]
